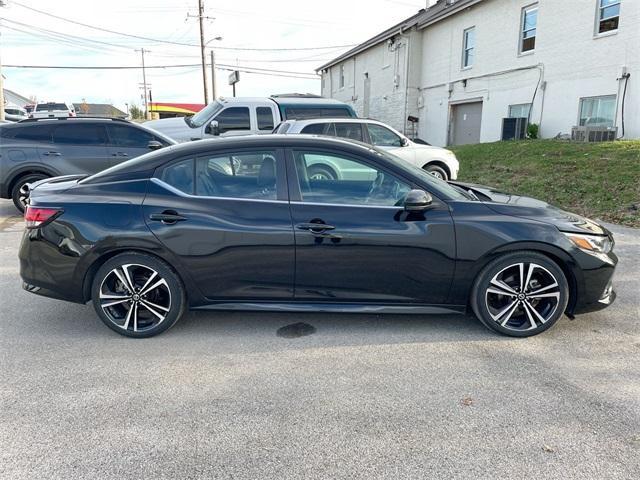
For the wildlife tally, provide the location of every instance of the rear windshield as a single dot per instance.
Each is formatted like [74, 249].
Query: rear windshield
[50, 107]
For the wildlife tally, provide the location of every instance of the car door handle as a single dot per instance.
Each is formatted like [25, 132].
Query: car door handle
[52, 154]
[120, 154]
[315, 227]
[168, 217]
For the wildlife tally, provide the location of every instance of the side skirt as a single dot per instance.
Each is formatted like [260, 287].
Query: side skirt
[334, 308]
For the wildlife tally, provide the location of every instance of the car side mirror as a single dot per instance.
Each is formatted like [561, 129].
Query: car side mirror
[154, 145]
[405, 142]
[417, 201]
[213, 128]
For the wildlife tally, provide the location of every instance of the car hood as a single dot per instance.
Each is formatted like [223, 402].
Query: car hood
[431, 149]
[533, 209]
[174, 128]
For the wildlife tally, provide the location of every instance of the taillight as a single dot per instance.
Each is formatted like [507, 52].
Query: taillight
[37, 217]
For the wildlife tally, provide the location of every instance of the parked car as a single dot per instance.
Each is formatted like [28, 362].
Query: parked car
[53, 110]
[31, 150]
[438, 161]
[14, 113]
[149, 238]
[245, 116]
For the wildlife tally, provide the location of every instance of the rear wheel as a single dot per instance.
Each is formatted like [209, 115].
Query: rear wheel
[520, 294]
[138, 295]
[19, 193]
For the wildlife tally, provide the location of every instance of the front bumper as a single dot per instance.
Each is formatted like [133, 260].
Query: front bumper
[595, 288]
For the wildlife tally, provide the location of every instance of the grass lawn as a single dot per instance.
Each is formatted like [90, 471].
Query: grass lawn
[597, 180]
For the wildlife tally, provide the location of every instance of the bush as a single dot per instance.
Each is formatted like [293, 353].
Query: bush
[532, 130]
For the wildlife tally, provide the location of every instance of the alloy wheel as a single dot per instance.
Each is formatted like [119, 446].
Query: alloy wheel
[522, 296]
[135, 297]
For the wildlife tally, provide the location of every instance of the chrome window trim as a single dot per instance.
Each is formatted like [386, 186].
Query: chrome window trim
[297, 202]
[174, 190]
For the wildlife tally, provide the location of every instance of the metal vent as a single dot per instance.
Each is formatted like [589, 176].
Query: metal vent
[594, 134]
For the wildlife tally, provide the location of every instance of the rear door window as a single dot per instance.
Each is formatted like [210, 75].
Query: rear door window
[351, 131]
[77, 134]
[264, 116]
[127, 136]
[234, 118]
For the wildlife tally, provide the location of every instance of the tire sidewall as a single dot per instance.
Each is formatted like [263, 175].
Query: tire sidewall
[323, 170]
[482, 281]
[436, 168]
[15, 190]
[178, 297]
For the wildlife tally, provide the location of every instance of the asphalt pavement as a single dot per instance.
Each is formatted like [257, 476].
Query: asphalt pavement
[234, 395]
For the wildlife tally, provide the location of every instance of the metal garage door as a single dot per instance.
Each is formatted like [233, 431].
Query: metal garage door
[466, 121]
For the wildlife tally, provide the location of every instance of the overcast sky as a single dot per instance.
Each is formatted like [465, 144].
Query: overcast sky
[32, 38]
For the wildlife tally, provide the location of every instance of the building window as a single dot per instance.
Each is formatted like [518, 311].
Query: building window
[598, 111]
[341, 76]
[528, 30]
[608, 15]
[469, 46]
[519, 111]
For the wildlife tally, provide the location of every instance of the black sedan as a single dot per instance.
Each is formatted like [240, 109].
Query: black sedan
[239, 224]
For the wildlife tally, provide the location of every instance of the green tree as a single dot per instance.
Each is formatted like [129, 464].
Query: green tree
[135, 112]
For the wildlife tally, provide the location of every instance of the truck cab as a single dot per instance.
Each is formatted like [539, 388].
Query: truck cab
[227, 117]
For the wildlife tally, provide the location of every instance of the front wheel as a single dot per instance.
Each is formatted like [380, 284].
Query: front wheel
[321, 172]
[138, 295]
[520, 294]
[437, 171]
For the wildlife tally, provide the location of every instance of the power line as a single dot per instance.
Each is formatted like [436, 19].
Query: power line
[219, 66]
[139, 37]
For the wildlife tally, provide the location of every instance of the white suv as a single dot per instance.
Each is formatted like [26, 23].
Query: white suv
[53, 110]
[440, 162]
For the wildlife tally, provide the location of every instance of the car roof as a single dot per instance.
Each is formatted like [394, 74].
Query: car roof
[311, 121]
[153, 160]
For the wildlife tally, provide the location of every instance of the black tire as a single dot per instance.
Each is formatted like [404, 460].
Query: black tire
[22, 181]
[503, 275]
[437, 171]
[321, 172]
[135, 316]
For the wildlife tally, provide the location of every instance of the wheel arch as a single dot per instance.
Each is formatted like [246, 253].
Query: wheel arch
[93, 268]
[28, 170]
[555, 254]
[439, 163]
[328, 165]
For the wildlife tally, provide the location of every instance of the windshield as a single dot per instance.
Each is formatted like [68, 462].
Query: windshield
[203, 115]
[438, 186]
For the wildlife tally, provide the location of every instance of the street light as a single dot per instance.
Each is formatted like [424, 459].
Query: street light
[213, 67]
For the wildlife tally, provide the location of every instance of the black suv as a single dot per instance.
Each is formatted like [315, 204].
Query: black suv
[31, 150]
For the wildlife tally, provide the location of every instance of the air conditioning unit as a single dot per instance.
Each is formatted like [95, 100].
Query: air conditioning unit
[514, 128]
[594, 134]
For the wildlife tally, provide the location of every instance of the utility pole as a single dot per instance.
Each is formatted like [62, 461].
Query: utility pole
[213, 76]
[2, 4]
[144, 83]
[204, 61]
[201, 18]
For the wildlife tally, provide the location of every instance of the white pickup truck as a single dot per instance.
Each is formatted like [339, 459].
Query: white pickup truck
[248, 115]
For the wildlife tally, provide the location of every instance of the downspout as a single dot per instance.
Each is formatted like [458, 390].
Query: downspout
[406, 80]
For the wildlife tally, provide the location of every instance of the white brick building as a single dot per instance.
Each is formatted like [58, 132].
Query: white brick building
[462, 66]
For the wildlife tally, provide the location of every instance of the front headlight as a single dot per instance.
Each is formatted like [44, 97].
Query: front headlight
[593, 244]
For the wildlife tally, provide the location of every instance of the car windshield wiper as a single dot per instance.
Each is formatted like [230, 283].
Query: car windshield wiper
[467, 193]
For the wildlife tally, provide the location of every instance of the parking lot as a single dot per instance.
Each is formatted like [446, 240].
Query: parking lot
[223, 395]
